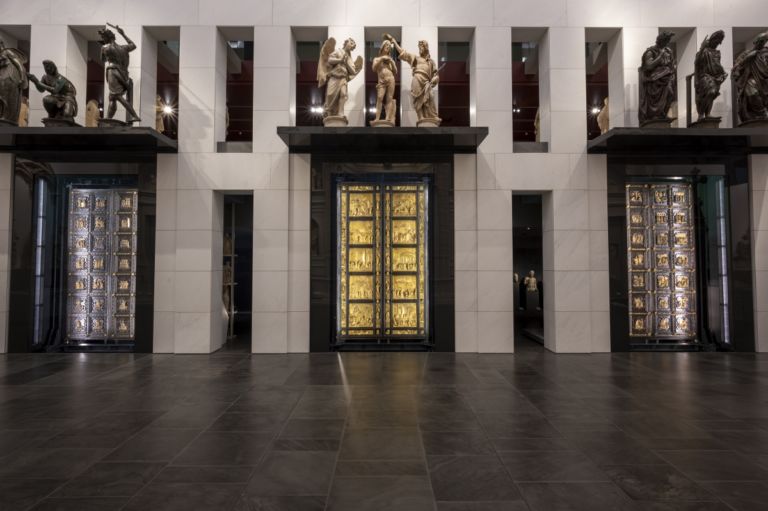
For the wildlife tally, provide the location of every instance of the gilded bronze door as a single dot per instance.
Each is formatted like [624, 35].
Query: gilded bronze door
[382, 262]
[102, 264]
[661, 257]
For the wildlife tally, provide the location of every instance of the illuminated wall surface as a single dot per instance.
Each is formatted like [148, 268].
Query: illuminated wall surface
[536, 74]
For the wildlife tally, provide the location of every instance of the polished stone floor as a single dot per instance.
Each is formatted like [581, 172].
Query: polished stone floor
[374, 431]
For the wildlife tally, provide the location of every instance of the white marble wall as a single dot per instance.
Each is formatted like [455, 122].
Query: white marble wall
[759, 198]
[191, 184]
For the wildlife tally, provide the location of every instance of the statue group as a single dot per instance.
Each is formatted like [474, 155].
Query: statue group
[658, 82]
[336, 68]
[60, 101]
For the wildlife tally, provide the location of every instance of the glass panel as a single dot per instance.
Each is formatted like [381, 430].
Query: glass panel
[661, 259]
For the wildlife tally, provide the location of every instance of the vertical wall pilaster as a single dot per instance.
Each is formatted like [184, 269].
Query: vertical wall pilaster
[564, 82]
[165, 254]
[634, 42]
[465, 252]
[616, 101]
[298, 254]
[6, 176]
[145, 89]
[687, 47]
[199, 82]
[758, 181]
[271, 87]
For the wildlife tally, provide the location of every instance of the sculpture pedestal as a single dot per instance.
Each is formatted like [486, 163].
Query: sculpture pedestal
[382, 123]
[59, 123]
[756, 123]
[113, 123]
[531, 300]
[707, 122]
[335, 121]
[429, 122]
[658, 123]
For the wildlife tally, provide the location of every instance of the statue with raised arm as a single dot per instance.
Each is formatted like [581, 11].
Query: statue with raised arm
[708, 76]
[61, 101]
[425, 78]
[658, 83]
[116, 59]
[384, 67]
[335, 69]
[13, 81]
[750, 78]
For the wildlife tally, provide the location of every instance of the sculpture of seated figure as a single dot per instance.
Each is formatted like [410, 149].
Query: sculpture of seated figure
[61, 102]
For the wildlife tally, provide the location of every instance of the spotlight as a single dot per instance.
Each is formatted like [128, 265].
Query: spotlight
[595, 110]
[168, 110]
[316, 109]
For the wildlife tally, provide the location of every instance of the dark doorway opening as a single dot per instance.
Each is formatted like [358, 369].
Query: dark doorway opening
[237, 271]
[528, 265]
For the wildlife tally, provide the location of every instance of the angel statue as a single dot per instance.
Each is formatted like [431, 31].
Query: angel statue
[425, 78]
[13, 80]
[336, 68]
[385, 68]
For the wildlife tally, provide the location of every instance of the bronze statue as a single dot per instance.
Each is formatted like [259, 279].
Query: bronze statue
[116, 57]
[13, 81]
[750, 77]
[336, 68]
[425, 78]
[658, 82]
[61, 101]
[708, 75]
[385, 68]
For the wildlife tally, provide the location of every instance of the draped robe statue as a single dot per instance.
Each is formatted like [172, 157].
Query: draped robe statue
[13, 80]
[658, 82]
[708, 75]
[750, 78]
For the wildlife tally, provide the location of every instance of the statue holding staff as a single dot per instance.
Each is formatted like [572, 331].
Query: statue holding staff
[116, 57]
[425, 78]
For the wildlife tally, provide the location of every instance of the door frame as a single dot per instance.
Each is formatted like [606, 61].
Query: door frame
[325, 171]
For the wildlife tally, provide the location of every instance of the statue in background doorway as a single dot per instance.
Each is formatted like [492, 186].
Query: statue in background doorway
[116, 58]
[335, 69]
[603, 118]
[159, 111]
[658, 83]
[425, 77]
[750, 78]
[61, 101]
[385, 68]
[530, 282]
[92, 114]
[13, 80]
[708, 76]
